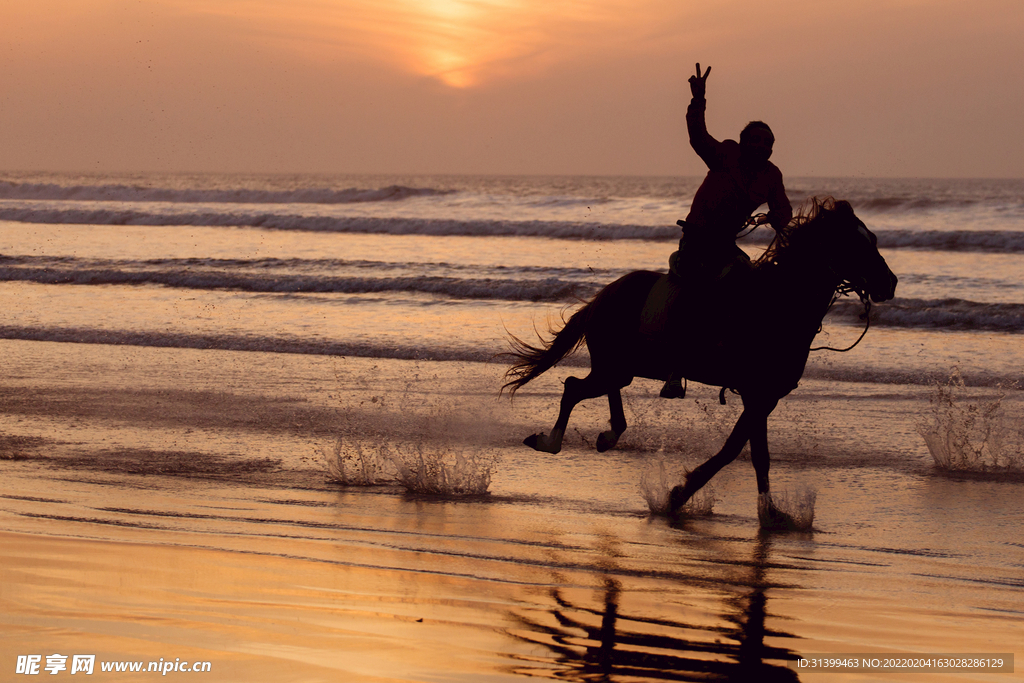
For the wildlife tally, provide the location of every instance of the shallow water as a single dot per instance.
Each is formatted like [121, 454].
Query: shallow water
[560, 564]
[187, 357]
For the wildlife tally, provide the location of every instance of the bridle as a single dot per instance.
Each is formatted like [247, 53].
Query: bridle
[844, 288]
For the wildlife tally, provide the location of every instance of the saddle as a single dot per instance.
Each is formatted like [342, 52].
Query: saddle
[698, 306]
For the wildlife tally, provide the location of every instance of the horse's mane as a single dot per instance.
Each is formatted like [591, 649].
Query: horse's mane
[812, 210]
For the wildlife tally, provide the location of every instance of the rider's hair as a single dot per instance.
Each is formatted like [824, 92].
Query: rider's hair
[755, 124]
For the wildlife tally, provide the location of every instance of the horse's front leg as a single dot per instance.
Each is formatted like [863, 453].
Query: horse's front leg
[768, 514]
[696, 479]
[759, 456]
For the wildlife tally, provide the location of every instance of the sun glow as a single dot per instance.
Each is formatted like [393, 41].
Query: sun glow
[468, 42]
[454, 41]
[461, 43]
[457, 40]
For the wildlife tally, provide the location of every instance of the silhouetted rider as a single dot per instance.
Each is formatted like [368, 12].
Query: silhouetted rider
[740, 179]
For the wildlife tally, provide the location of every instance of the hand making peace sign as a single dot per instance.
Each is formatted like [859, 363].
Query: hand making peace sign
[698, 82]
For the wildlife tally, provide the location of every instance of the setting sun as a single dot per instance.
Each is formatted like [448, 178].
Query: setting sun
[452, 41]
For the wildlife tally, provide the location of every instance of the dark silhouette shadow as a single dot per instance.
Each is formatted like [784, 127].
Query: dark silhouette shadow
[822, 254]
[599, 643]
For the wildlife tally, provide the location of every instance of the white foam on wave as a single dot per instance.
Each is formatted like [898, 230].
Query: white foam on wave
[572, 285]
[342, 224]
[138, 193]
[238, 342]
[949, 313]
[680, 439]
[549, 289]
[994, 241]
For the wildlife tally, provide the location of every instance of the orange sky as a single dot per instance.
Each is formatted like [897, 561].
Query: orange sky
[865, 88]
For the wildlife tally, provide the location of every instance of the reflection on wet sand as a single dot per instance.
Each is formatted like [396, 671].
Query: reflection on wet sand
[602, 643]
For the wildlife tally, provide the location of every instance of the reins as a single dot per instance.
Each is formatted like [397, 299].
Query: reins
[753, 221]
[843, 289]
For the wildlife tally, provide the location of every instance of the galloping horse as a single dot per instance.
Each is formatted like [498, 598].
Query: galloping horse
[758, 349]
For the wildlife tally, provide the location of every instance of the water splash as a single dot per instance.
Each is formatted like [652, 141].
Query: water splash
[448, 456]
[691, 431]
[437, 446]
[787, 510]
[444, 473]
[359, 464]
[419, 467]
[971, 435]
[656, 483]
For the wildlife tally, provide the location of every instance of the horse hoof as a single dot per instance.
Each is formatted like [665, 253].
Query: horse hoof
[606, 441]
[771, 518]
[673, 390]
[677, 499]
[541, 442]
[775, 520]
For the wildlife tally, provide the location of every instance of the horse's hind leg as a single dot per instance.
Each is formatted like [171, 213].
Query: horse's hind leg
[607, 440]
[576, 390]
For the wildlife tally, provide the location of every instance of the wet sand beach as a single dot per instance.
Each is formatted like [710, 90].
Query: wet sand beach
[180, 504]
[265, 268]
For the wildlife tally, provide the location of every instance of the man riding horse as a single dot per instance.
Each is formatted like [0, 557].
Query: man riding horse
[697, 322]
[740, 178]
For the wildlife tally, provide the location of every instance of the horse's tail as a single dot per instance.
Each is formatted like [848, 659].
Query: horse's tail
[533, 361]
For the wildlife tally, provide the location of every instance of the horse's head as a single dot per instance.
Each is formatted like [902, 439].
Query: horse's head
[833, 235]
[855, 257]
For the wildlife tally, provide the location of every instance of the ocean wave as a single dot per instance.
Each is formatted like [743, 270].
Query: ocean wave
[343, 224]
[915, 204]
[946, 314]
[462, 281]
[135, 193]
[916, 196]
[271, 263]
[542, 289]
[994, 241]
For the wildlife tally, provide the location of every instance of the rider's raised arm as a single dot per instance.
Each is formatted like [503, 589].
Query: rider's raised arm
[706, 147]
[780, 212]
